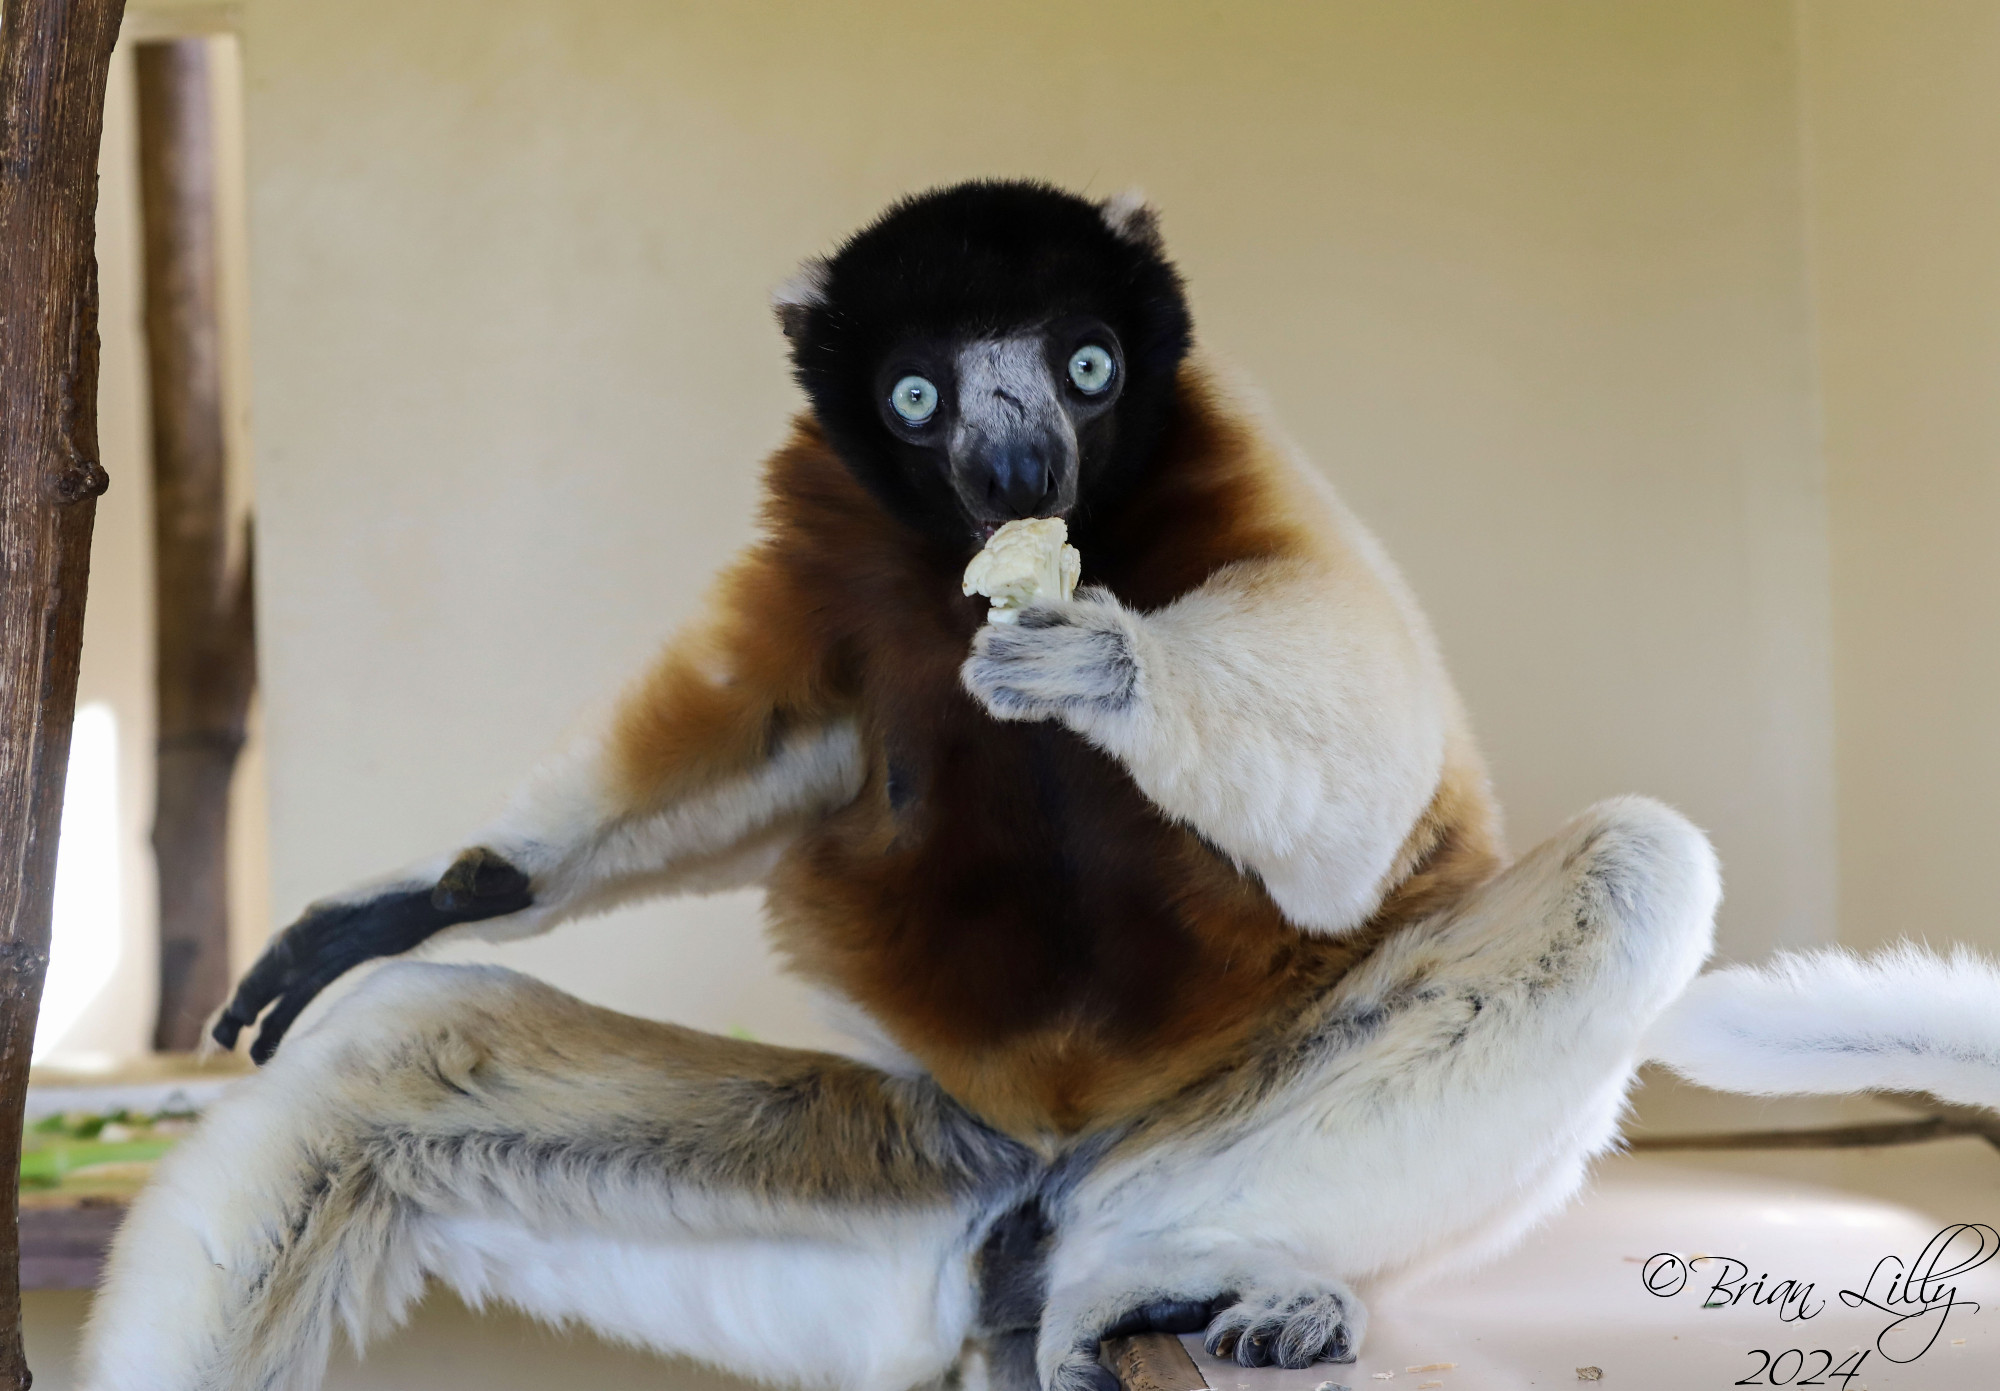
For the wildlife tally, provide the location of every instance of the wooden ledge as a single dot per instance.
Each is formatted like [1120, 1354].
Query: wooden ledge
[1153, 1362]
[64, 1238]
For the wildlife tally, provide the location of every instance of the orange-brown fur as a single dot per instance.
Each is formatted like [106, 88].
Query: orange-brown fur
[1041, 937]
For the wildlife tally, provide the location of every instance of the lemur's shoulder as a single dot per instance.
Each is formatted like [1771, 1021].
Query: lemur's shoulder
[1238, 503]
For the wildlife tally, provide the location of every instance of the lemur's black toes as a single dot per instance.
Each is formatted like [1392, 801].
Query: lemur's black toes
[1341, 1349]
[483, 881]
[1288, 1332]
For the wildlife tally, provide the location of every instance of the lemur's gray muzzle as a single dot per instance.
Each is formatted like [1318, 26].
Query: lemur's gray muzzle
[1013, 445]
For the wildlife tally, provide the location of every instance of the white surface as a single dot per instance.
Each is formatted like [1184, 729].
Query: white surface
[1573, 1297]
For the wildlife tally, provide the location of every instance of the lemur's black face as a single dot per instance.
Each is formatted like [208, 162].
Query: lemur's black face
[992, 351]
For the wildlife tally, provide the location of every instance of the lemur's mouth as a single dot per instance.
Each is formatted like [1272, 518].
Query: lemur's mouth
[983, 532]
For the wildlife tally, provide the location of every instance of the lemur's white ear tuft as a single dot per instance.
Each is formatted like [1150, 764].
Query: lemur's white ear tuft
[802, 293]
[1131, 218]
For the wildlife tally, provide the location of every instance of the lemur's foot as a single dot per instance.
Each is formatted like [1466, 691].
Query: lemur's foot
[1289, 1328]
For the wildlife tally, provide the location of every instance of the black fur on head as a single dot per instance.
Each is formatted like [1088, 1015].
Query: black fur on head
[989, 261]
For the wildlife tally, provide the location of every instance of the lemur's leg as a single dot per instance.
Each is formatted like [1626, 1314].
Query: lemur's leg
[705, 769]
[1450, 1090]
[790, 1215]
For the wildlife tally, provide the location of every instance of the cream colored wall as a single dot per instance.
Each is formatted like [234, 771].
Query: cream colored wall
[1529, 280]
[1524, 278]
[1904, 138]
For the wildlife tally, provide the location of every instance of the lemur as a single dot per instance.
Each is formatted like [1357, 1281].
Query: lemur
[1204, 991]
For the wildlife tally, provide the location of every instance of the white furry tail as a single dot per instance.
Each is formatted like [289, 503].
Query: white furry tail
[1905, 1019]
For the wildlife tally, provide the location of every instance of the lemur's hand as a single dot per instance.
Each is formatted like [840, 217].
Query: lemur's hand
[334, 937]
[1076, 660]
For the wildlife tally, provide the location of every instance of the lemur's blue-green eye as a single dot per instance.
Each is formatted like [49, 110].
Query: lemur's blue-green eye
[914, 398]
[1091, 368]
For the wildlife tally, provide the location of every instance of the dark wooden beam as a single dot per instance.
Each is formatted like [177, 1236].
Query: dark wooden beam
[54, 56]
[206, 647]
[1819, 1137]
[1939, 1120]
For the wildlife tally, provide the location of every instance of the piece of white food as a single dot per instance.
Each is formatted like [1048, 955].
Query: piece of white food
[1024, 561]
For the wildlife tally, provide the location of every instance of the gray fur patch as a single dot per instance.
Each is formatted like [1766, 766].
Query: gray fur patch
[1005, 389]
[1013, 1269]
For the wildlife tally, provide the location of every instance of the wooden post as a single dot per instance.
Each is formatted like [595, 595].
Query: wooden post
[54, 56]
[206, 656]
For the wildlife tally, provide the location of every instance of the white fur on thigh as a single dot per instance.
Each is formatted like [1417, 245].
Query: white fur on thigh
[885, 1307]
[1467, 1073]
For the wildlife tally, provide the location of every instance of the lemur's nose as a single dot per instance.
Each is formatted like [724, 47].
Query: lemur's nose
[1018, 477]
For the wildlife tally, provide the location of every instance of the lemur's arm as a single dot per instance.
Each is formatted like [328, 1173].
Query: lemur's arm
[706, 767]
[1286, 712]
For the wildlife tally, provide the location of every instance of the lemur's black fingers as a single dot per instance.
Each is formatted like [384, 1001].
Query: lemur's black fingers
[307, 949]
[227, 1029]
[321, 947]
[260, 984]
[292, 1003]
[328, 942]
